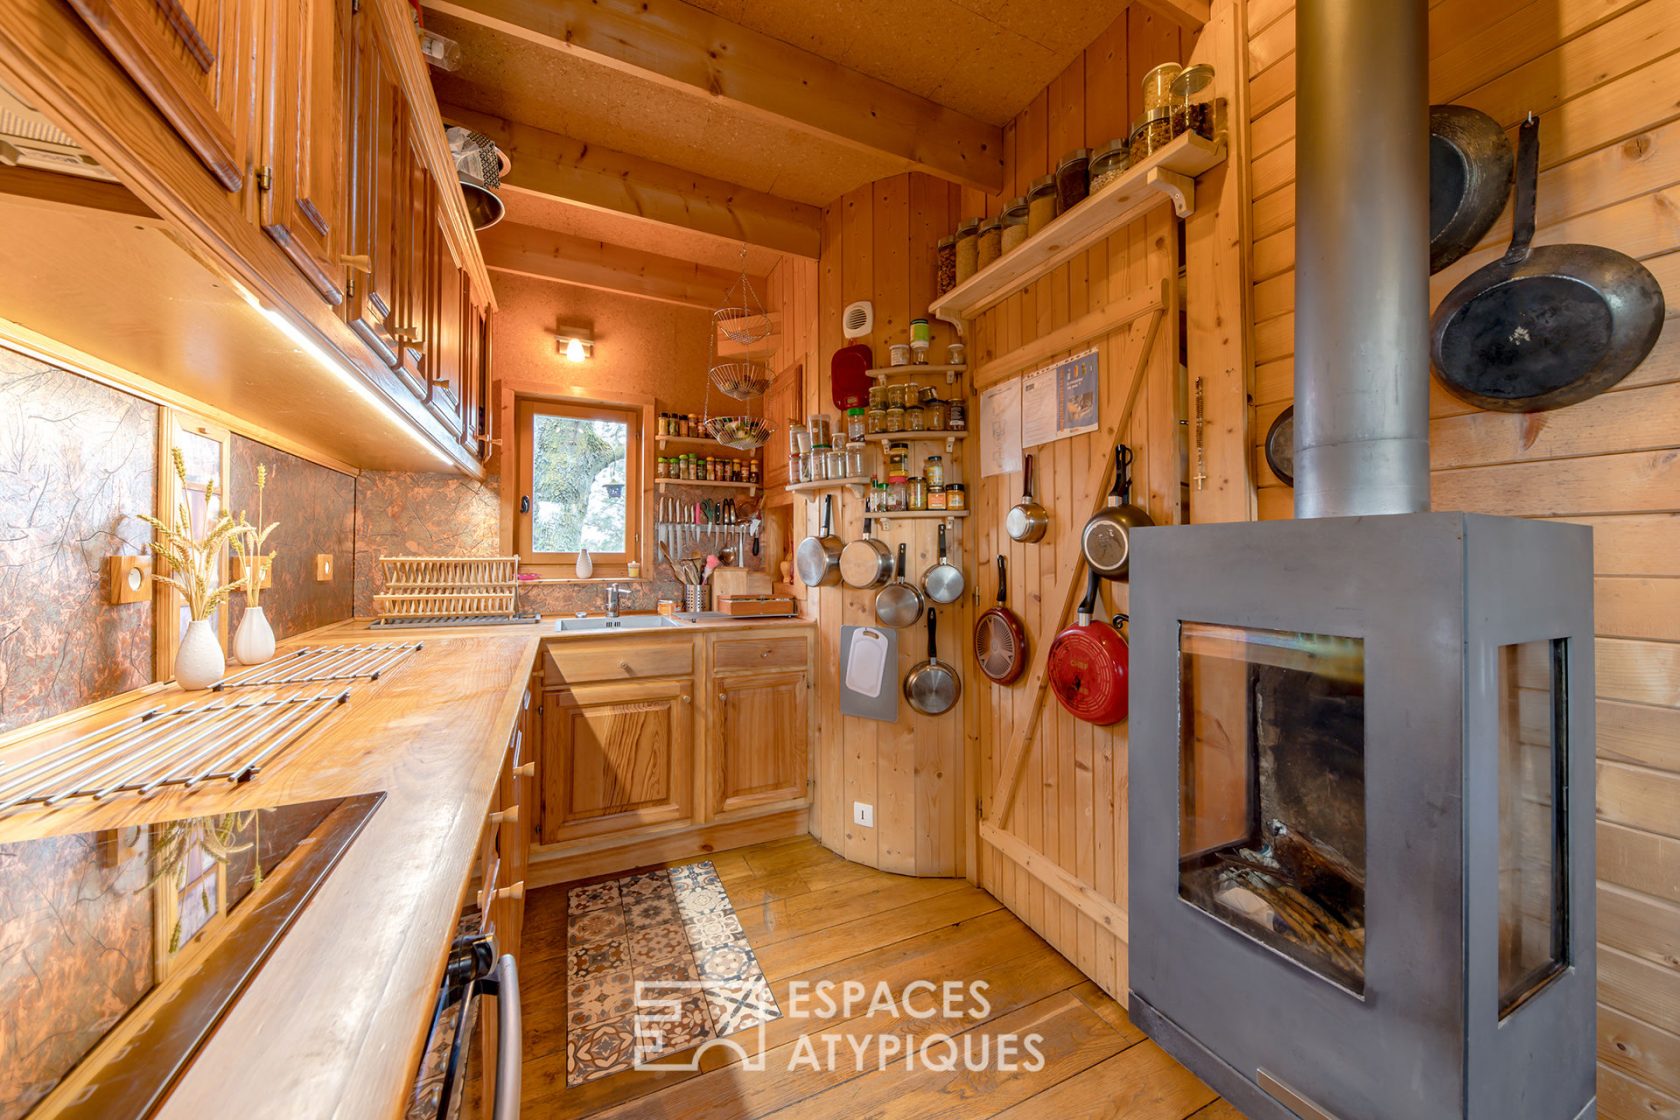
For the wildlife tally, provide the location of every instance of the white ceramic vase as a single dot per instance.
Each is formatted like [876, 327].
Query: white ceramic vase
[199, 662]
[585, 564]
[253, 642]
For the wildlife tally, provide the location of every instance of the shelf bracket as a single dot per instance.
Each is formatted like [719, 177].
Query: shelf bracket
[1180, 188]
[957, 322]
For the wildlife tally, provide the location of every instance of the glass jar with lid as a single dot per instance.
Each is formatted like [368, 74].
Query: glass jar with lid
[877, 396]
[915, 418]
[1014, 223]
[854, 424]
[837, 462]
[1041, 203]
[957, 415]
[945, 264]
[1157, 85]
[895, 419]
[967, 249]
[854, 459]
[915, 494]
[895, 395]
[1109, 162]
[1150, 133]
[1073, 179]
[956, 496]
[1192, 101]
[937, 414]
[817, 461]
[799, 438]
[933, 469]
[991, 242]
[874, 421]
[897, 459]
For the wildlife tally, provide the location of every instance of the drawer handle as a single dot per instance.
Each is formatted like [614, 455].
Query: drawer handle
[514, 893]
[509, 815]
[527, 770]
[357, 262]
[687, 699]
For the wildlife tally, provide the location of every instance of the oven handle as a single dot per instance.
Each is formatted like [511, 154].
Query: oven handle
[510, 1043]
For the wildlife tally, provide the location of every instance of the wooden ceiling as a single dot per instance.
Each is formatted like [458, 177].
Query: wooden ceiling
[673, 130]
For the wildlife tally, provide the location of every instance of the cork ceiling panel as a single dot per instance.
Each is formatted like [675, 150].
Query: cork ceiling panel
[523, 82]
[634, 233]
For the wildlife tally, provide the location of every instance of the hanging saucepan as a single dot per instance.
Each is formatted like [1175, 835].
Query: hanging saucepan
[899, 603]
[1107, 539]
[932, 686]
[866, 563]
[943, 583]
[1089, 663]
[1547, 327]
[1000, 643]
[1280, 446]
[1469, 178]
[818, 558]
[1026, 520]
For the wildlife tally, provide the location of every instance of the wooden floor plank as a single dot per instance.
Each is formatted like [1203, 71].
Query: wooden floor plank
[838, 942]
[1139, 1083]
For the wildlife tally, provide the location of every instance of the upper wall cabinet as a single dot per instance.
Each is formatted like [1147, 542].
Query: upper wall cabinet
[304, 137]
[196, 61]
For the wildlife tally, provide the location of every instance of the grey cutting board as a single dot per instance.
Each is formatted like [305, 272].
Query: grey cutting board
[853, 703]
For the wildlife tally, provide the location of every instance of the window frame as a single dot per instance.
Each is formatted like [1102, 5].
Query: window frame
[637, 415]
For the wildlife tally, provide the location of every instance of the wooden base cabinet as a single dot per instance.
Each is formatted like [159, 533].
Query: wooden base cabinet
[760, 749]
[616, 757]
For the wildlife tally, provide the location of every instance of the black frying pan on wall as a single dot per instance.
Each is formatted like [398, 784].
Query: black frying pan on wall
[1544, 327]
[1469, 178]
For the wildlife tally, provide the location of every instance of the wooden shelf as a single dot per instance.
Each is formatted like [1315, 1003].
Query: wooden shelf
[701, 442]
[949, 439]
[667, 483]
[950, 372]
[827, 484]
[921, 515]
[1169, 173]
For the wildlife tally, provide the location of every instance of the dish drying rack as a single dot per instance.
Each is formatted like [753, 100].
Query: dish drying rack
[448, 587]
[228, 738]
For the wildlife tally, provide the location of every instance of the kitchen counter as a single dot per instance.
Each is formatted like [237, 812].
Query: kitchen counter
[333, 1023]
[548, 628]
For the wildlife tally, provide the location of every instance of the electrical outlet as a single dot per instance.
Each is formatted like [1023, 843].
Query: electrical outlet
[863, 814]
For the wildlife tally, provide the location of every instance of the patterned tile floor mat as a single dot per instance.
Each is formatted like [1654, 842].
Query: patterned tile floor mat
[676, 934]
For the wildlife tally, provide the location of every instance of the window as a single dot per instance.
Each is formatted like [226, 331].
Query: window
[580, 482]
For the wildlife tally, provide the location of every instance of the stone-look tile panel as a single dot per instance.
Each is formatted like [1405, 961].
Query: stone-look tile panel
[316, 509]
[76, 460]
[400, 513]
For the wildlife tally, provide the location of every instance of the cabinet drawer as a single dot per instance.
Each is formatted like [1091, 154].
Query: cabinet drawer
[736, 654]
[618, 659]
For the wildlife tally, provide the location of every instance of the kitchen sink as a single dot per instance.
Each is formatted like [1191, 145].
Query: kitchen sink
[628, 622]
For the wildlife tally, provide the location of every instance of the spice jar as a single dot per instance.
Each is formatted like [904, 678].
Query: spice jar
[895, 395]
[936, 497]
[1041, 204]
[968, 246]
[945, 264]
[897, 460]
[877, 396]
[894, 419]
[898, 353]
[915, 418]
[1073, 181]
[854, 460]
[1109, 162]
[956, 497]
[957, 420]
[991, 242]
[874, 421]
[1192, 101]
[915, 494]
[1150, 133]
[937, 414]
[837, 460]
[854, 424]
[933, 469]
[1014, 223]
[1157, 85]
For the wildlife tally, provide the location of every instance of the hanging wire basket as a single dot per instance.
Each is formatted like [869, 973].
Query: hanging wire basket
[743, 433]
[747, 326]
[741, 380]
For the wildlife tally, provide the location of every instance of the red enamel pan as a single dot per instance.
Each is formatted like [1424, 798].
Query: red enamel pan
[1089, 664]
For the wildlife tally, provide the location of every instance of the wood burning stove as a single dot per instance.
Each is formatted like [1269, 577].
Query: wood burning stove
[1361, 814]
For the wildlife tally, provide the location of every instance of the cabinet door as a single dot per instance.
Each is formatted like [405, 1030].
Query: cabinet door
[760, 751]
[304, 137]
[195, 61]
[373, 127]
[476, 406]
[444, 350]
[781, 408]
[615, 757]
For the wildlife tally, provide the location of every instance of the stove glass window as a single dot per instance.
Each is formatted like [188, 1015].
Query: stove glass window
[1272, 790]
[1532, 731]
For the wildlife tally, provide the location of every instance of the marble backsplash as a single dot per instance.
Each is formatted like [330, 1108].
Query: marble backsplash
[420, 514]
[76, 459]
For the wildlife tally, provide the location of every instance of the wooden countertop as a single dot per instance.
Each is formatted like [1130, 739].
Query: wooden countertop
[333, 1023]
[548, 629]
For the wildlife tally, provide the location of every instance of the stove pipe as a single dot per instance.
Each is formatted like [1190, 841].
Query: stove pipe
[1362, 258]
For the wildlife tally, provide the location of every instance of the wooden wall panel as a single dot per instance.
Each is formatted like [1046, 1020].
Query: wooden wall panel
[1601, 73]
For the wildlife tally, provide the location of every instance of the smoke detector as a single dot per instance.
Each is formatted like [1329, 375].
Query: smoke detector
[858, 319]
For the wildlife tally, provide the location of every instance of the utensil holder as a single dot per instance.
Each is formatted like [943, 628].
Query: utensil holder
[694, 596]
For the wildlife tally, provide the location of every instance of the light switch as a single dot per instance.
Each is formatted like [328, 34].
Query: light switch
[131, 578]
[323, 567]
[237, 570]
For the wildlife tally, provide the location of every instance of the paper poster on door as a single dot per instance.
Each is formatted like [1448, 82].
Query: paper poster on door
[1040, 409]
[1076, 395]
[1000, 428]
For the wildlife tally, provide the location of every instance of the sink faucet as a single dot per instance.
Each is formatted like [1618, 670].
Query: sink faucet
[615, 594]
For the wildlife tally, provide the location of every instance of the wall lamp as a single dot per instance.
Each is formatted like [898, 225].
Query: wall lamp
[576, 343]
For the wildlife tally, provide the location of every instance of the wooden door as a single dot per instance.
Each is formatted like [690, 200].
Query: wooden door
[304, 137]
[195, 61]
[761, 746]
[781, 408]
[373, 126]
[615, 757]
[476, 409]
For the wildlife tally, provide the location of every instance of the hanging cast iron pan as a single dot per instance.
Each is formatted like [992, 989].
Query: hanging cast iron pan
[849, 379]
[866, 563]
[1000, 643]
[1469, 177]
[943, 583]
[1107, 538]
[1089, 663]
[932, 686]
[1547, 327]
[1280, 446]
[1026, 520]
[818, 559]
[899, 603]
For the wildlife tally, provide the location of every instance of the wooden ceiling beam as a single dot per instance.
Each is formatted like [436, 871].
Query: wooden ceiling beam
[1191, 14]
[689, 49]
[567, 259]
[555, 166]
